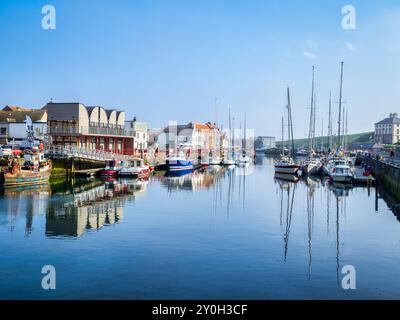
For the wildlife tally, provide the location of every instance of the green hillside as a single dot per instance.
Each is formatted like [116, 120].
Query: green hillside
[359, 138]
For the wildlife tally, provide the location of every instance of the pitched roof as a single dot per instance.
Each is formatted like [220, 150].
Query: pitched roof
[15, 108]
[20, 116]
[390, 120]
[201, 126]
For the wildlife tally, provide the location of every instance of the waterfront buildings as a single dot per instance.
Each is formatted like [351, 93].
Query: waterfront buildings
[194, 136]
[88, 127]
[138, 130]
[13, 123]
[388, 130]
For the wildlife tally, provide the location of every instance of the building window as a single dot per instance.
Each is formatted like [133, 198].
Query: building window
[119, 146]
[3, 131]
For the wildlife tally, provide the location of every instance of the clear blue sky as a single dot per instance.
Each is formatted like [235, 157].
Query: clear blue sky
[167, 60]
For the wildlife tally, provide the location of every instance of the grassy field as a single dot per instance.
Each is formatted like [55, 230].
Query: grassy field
[360, 138]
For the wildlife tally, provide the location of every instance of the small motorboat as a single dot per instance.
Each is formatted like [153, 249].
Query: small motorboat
[135, 169]
[178, 162]
[341, 173]
[111, 169]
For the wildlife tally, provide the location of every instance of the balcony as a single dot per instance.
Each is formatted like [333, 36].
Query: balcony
[81, 130]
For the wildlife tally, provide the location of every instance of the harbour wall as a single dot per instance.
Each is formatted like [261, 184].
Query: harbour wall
[68, 166]
[386, 174]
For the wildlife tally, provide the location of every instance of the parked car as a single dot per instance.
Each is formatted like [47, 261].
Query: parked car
[7, 150]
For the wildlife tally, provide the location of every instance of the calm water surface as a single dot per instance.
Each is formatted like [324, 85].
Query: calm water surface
[216, 234]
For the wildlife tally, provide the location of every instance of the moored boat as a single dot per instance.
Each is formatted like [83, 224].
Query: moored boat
[135, 169]
[32, 169]
[111, 169]
[286, 165]
[341, 173]
[178, 162]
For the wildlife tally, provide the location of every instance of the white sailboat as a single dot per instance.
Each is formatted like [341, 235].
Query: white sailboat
[286, 164]
[228, 159]
[244, 158]
[312, 165]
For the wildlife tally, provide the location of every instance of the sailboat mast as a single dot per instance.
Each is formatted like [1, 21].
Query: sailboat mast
[244, 143]
[290, 123]
[314, 127]
[283, 138]
[330, 121]
[233, 137]
[310, 142]
[340, 103]
[322, 134]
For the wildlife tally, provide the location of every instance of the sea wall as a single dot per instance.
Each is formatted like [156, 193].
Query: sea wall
[387, 175]
[66, 167]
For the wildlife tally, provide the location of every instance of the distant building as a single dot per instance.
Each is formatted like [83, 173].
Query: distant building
[193, 135]
[93, 128]
[138, 130]
[388, 130]
[264, 143]
[13, 124]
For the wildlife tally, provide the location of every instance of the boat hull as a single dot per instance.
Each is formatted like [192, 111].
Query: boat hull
[109, 173]
[142, 173]
[179, 165]
[290, 169]
[25, 177]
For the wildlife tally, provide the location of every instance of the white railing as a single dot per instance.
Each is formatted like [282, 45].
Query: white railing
[69, 152]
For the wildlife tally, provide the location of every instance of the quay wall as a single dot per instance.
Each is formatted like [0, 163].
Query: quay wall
[386, 174]
[67, 166]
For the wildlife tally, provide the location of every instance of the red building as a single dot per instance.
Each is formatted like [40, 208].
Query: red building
[92, 128]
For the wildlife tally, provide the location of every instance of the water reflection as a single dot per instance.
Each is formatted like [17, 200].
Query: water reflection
[214, 224]
[90, 206]
[30, 200]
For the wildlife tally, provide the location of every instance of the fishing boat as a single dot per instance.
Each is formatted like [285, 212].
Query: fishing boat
[178, 162]
[135, 169]
[32, 169]
[111, 168]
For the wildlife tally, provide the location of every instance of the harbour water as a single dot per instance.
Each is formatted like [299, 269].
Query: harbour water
[216, 234]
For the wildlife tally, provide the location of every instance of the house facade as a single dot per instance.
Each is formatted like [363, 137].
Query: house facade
[194, 136]
[139, 130]
[88, 127]
[387, 131]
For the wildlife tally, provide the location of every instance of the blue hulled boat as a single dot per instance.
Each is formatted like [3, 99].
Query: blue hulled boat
[178, 163]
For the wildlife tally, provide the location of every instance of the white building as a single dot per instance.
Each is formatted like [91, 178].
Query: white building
[388, 130]
[13, 124]
[139, 131]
